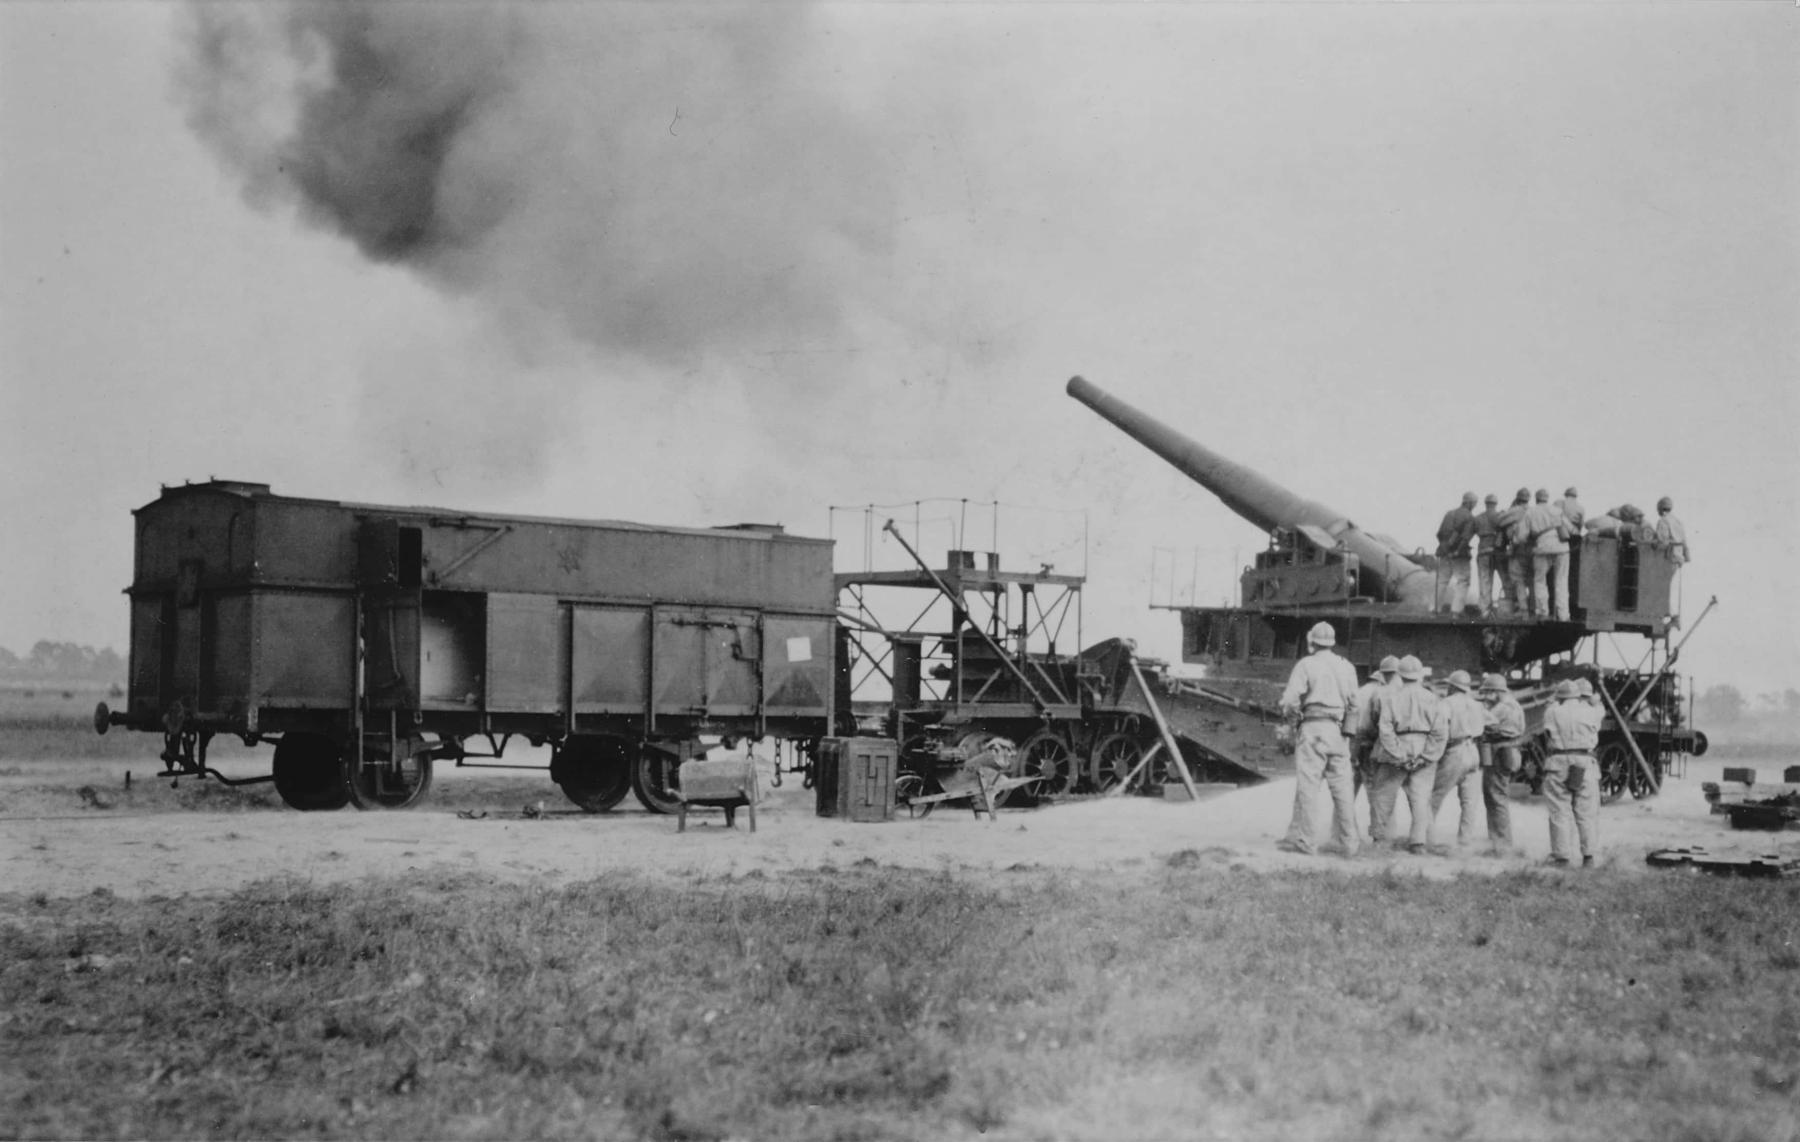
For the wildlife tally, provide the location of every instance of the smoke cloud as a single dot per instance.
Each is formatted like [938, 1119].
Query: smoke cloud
[663, 182]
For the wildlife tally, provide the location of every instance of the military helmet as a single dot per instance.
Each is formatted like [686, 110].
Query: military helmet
[1543, 495]
[1459, 679]
[1522, 496]
[1389, 665]
[1321, 634]
[1468, 497]
[1565, 690]
[1570, 492]
[1492, 498]
[1665, 504]
[1411, 669]
[1493, 684]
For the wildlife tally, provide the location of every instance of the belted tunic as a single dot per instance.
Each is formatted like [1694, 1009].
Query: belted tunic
[1322, 688]
[1413, 728]
[1572, 727]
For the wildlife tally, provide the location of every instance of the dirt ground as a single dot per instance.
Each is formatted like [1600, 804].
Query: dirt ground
[150, 841]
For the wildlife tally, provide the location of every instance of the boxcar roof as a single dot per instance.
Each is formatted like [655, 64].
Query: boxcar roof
[244, 489]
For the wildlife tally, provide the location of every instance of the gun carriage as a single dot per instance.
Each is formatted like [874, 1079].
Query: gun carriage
[1381, 599]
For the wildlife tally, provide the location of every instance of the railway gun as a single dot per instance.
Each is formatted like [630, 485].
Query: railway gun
[370, 643]
[1380, 599]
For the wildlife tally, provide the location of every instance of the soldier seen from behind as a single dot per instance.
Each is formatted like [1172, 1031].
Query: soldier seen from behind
[1572, 511]
[1489, 550]
[1413, 735]
[1571, 777]
[1460, 770]
[1453, 536]
[1500, 741]
[1517, 539]
[1549, 559]
[1366, 725]
[1320, 693]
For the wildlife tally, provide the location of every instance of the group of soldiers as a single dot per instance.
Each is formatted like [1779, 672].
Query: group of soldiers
[1394, 733]
[1526, 547]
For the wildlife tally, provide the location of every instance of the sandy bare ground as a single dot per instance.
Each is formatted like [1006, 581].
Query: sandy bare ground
[146, 845]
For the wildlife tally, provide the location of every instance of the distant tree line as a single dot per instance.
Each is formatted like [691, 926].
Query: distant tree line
[62, 662]
[1725, 704]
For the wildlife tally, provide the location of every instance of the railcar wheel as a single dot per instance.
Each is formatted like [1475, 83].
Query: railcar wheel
[654, 780]
[1157, 771]
[388, 785]
[1113, 758]
[308, 773]
[1616, 766]
[1046, 758]
[593, 771]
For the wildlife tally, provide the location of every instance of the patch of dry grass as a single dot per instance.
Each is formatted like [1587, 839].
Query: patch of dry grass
[871, 1003]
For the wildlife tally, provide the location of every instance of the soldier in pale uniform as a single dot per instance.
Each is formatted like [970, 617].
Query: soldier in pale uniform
[1489, 552]
[1413, 735]
[1365, 725]
[1571, 777]
[1460, 769]
[1516, 538]
[1669, 531]
[1453, 535]
[1500, 756]
[1573, 511]
[1549, 559]
[1321, 692]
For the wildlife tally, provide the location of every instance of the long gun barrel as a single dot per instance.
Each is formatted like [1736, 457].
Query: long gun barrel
[1387, 573]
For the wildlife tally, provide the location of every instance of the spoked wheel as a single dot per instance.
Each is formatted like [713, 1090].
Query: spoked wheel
[910, 785]
[309, 775]
[654, 779]
[384, 784]
[1616, 770]
[1046, 758]
[1113, 758]
[593, 771]
[1157, 772]
[1639, 785]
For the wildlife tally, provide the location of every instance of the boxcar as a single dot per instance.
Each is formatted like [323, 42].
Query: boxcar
[367, 641]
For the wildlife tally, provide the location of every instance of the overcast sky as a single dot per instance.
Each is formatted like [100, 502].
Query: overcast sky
[689, 265]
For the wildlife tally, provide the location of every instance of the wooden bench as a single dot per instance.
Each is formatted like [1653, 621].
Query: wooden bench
[728, 785]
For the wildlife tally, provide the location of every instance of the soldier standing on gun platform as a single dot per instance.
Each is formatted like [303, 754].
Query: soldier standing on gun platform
[1573, 511]
[1460, 769]
[1488, 551]
[1549, 559]
[1366, 725]
[1669, 531]
[1571, 779]
[1413, 734]
[1453, 535]
[1518, 554]
[1320, 692]
[1500, 757]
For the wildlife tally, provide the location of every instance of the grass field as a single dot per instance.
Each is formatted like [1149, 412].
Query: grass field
[1192, 1001]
